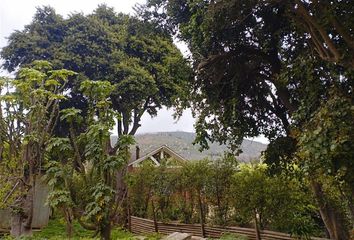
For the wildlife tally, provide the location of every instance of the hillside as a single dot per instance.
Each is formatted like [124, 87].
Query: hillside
[181, 142]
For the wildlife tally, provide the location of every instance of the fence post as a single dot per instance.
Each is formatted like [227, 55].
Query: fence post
[129, 219]
[202, 229]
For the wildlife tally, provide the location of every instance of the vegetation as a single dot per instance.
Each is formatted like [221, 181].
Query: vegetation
[83, 167]
[56, 230]
[282, 69]
[218, 192]
[133, 68]
[273, 68]
[28, 115]
[232, 237]
[143, 64]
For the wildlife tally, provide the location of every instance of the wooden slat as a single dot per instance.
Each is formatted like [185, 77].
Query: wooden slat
[142, 225]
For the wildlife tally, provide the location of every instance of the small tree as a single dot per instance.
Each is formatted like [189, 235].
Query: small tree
[29, 112]
[140, 183]
[195, 176]
[153, 190]
[91, 187]
[276, 202]
[219, 186]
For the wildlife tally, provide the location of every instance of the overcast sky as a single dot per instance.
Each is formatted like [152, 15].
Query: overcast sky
[15, 14]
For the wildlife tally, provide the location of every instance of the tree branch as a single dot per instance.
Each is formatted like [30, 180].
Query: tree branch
[82, 223]
[125, 118]
[136, 123]
[77, 155]
[302, 11]
[119, 127]
[340, 29]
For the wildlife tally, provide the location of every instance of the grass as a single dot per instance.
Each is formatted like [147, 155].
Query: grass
[56, 231]
[230, 236]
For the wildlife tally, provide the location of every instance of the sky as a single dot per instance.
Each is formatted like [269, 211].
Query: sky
[15, 14]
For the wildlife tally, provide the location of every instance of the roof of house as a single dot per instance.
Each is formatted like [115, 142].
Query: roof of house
[150, 155]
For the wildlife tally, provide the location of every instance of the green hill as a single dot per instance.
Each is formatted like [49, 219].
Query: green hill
[181, 142]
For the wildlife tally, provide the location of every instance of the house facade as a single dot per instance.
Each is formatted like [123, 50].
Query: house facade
[162, 155]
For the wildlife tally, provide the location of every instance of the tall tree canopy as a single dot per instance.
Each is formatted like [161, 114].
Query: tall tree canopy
[268, 67]
[252, 59]
[146, 67]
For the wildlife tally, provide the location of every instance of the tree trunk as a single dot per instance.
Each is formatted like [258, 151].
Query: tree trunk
[69, 222]
[256, 226]
[16, 225]
[129, 219]
[121, 189]
[201, 215]
[154, 216]
[29, 204]
[22, 216]
[219, 207]
[333, 219]
[105, 231]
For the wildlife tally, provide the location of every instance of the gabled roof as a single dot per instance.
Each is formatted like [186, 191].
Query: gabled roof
[150, 155]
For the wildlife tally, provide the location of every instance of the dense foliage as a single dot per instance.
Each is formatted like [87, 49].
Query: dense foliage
[82, 170]
[146, 68]
[253, 61]
[283, 69]
[29, 111]
[221, 192]
[133, 67]
[275, 68]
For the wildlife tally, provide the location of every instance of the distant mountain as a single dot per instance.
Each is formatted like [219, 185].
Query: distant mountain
[181, 142]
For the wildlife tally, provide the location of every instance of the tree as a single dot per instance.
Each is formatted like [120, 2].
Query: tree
[29, 112]
[276, 202]
[329, 25]
[259, 64]
[84, 176]
[326, 142]
[225, 193]
[141, 61]
[140, 186]
[239, 58]
[218, 187]
[146, 70]
[236, 66]
[196, 175]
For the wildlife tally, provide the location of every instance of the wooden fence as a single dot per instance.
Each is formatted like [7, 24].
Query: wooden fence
[141, 225]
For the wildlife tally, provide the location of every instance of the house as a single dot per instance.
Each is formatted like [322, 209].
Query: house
[159, 156]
